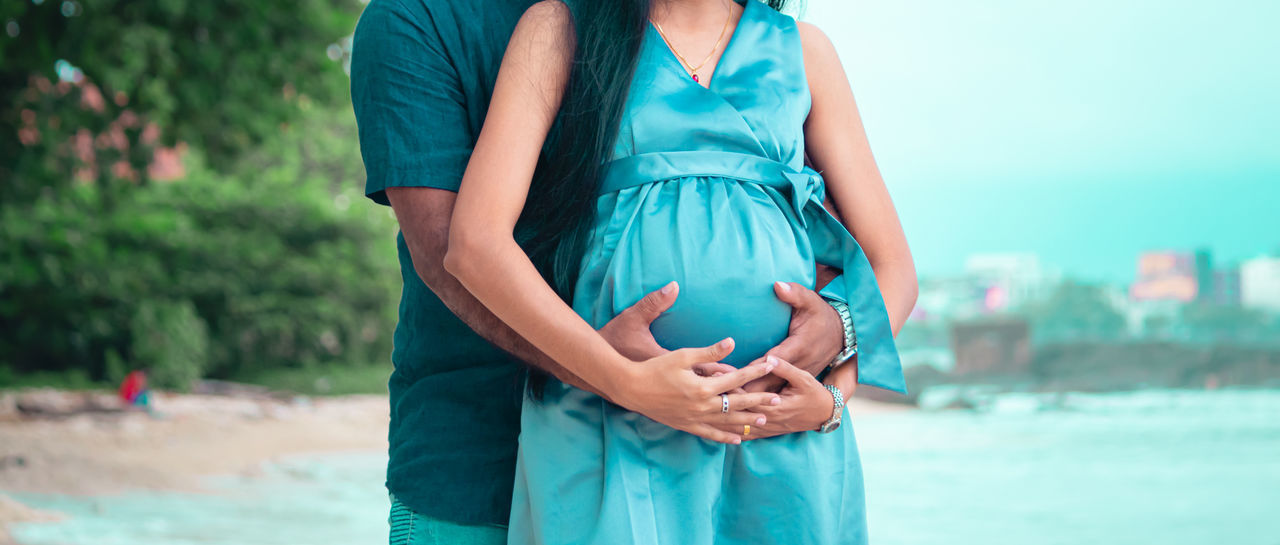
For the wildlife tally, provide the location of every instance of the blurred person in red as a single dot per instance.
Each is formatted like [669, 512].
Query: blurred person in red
[134, 391]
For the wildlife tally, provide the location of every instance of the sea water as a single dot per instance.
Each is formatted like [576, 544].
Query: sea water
[1159, 467]
[315, 500]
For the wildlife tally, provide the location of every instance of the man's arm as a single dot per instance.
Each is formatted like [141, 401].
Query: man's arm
[424, 214]
[412, 114]
[413, 119]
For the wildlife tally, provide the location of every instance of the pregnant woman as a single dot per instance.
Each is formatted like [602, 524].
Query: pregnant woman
[614, 159]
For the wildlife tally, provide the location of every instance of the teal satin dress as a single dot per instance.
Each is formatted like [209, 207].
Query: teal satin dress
[708, 188]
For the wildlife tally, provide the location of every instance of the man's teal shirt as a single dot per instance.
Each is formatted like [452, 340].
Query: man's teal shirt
[422, 72]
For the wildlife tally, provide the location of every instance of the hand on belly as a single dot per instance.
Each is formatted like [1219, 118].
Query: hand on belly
[706, 312]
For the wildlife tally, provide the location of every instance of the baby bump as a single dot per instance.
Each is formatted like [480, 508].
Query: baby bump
[725, 243]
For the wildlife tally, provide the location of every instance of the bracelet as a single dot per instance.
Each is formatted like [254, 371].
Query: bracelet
[834, 422]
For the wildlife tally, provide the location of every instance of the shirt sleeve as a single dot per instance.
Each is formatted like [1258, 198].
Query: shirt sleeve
[409, 103]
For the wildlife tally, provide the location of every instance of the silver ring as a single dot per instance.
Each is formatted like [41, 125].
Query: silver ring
[724, 403]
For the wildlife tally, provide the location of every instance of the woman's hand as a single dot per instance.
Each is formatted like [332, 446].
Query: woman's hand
[672, 389]
[805, 403]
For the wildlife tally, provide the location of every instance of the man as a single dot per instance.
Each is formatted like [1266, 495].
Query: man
[421, 75]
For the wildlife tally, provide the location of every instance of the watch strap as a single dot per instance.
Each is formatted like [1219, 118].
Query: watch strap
[850, 336]
[837, 411]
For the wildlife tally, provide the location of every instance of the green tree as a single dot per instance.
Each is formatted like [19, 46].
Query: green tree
[220, 76]
[1076, 311]
[214, 274]
[259, 259]
[171, 341]
[1226, 323]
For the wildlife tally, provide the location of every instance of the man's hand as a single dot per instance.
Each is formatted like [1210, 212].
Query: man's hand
[629, 331]
[804, 406]
[815, 337]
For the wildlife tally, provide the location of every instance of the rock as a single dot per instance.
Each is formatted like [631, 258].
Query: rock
[46, 402]
[50, 403]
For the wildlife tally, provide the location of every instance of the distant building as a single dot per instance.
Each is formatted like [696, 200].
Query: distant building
[991, 346]
[1010, 280]
[1204, 274]
[1172, 276]
[1226, 287]
[1260, 283]
[991, 284]
[946, 298]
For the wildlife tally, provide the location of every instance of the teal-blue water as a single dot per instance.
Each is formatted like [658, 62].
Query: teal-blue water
[1150, 467]
[1155, 467]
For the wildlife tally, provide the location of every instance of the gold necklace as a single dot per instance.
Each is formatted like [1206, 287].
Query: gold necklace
[693, 70]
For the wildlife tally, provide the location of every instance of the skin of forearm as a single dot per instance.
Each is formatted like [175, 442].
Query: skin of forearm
[424, 220]
[532, 308]
[844, 377]
[897, 281]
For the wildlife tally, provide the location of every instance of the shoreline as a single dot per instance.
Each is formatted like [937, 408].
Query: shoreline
[193, 436]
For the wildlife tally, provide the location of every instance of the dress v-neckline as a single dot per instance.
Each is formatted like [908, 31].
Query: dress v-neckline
[715, 72]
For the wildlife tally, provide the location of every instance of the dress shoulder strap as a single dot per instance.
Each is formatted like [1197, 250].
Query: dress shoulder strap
[777, 35]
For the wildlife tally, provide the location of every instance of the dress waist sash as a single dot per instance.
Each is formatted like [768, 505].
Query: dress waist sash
[877, 358]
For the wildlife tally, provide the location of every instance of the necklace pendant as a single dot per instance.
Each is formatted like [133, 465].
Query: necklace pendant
[695, 77]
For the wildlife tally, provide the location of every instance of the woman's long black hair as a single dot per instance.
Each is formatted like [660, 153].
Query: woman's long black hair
[560, 210]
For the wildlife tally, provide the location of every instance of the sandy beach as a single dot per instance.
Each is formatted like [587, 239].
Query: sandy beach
[192, 436]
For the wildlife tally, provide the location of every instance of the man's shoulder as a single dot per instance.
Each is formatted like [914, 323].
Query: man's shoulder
[416, 7]
[427, 12]
[440, 24]
[420, 15]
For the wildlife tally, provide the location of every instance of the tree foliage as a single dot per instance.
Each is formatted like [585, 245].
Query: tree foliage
[1076, 311]
[262, 257]
[1205, 322]
[213, 275]
[219, 76]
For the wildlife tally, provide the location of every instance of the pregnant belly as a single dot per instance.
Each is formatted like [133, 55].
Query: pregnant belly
[725, 243]
[706, 312]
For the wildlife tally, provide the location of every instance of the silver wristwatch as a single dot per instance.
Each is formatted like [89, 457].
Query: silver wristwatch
[850, 336]
[834, 422]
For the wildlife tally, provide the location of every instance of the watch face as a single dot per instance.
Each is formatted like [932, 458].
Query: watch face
[830, 426]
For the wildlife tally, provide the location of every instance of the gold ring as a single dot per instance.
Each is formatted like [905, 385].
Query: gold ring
[746, 429]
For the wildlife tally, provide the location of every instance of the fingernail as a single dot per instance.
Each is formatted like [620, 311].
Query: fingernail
[737, 440]
[776, 400]
[760, 421]
[670, 287]
[784, 286]
[725, 343]
[717, 374]
[771, 360]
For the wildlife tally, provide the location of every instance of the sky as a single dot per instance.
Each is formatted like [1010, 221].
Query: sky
[1085, 131]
